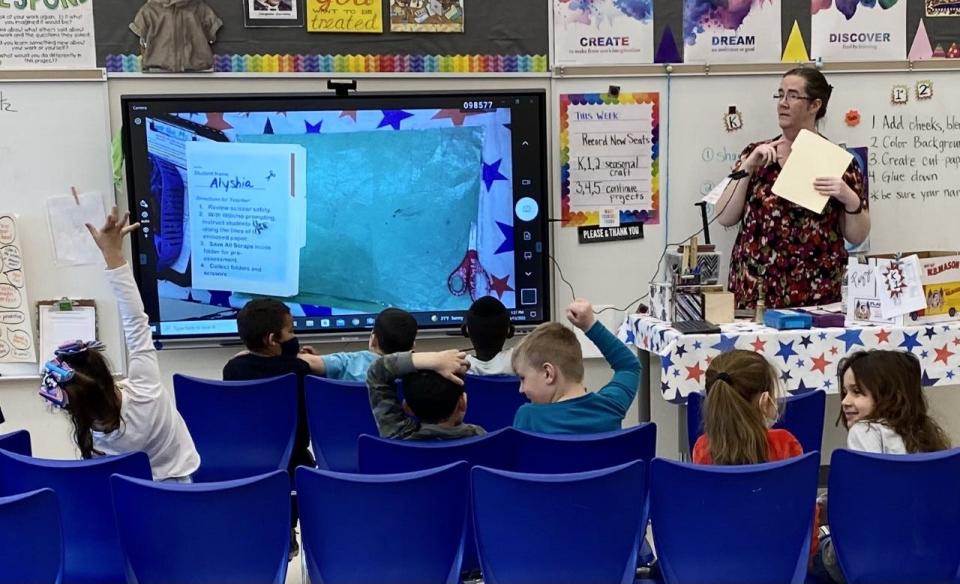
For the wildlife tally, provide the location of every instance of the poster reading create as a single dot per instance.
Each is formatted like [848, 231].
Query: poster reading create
[602, 32]
[345, 16]
[858, 30]
[47, 35]
[739, 31]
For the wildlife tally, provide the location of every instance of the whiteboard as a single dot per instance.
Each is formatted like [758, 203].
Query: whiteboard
[54, 135]
[703, 151]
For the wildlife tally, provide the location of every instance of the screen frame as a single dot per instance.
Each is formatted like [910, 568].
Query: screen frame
[349, 333]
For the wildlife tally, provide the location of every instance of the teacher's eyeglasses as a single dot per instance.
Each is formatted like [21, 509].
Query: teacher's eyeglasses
[791, 97]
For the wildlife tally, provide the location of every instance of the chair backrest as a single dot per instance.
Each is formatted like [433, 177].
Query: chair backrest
[230, 532]
[90, 541]
[492, 400]
[383, 455]
[904, 508]
[31, 540]
[18, 442]
[338, 412]
[560, 453]
[579, 528]
[240, 428]
[737, 524]
[410, 526]
[802, 416]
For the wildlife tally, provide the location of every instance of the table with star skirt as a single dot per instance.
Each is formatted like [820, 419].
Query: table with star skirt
[805, 359]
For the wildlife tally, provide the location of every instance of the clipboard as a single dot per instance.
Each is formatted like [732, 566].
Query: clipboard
[64, 320]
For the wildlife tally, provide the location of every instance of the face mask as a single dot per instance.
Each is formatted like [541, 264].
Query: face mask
[290, 347]
[771, 422]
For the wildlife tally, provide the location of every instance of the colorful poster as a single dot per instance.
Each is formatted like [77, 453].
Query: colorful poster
[609, 157]
[942, 7]
[16, 330]
[603, 32]
[741, 31]
[345, 16]
[426, 15]
[858, 30]
[36, 35]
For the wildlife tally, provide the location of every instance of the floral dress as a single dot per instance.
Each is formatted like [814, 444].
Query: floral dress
[799, 255]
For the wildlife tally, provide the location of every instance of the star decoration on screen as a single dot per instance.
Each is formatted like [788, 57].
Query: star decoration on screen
[352, 114]
[500, 285]
[454, 115]
[393, 118]
[491, 173]
[507, 244]
[313, 128]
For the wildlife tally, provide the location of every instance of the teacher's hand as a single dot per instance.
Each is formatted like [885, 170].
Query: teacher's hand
[834, 187]
[762, 156]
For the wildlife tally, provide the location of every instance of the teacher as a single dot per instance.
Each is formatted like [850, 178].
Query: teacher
[795, 255]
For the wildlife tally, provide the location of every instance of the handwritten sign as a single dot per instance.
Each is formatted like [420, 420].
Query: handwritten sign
[16, 336]
[610, 157]
[38, 35]
[247, 216]
[345, 16]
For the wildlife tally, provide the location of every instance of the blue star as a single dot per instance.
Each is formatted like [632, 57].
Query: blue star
[924, 354]
[220, 298]
[828, 384]
[268, 127]
[393, 118]
[930, 332]
[726, 343]
[851, 337]
[785, 375]
[800, 364]
[676, 373]
[491, 173]
[949, 374]
[664, 387]
[910, 341]
[313, 128]
[946, 328]
[507, 232]
[666, 363]
[681, 350]
[311, 310]
[508, 126]
[823, 336]
[805, 341]
[786, 351]
[928, 381]
[697, 345]
[631, 338]
[804, 388]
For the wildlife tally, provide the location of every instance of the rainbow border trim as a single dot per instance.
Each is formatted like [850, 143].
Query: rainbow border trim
[584, 218]
[356, 63]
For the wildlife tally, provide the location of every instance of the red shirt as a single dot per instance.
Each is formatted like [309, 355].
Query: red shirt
[781, 445]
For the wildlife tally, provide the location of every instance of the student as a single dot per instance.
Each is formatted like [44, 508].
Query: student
[394, 330]
[549, 363]
[434, 404]
[740, 407]
[883, 406]
[137, 413]
[885, 412]
[488, 328]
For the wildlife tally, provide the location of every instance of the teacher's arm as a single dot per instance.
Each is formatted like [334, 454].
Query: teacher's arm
[849, 191]
[731, 203]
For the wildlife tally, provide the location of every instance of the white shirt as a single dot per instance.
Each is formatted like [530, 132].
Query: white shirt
[875, 437]
[149, 420]
[499, 365]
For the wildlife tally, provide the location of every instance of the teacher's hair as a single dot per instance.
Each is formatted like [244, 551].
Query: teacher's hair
[817, 86]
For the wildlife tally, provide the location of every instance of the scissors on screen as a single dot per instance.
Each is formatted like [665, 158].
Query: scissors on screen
[470, 276]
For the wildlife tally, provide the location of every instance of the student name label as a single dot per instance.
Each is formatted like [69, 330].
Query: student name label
[247, 206]
[859, 31]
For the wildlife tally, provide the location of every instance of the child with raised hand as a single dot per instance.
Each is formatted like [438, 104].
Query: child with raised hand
[883, 406]
[134, 414]
[740, 407]
[549, 362]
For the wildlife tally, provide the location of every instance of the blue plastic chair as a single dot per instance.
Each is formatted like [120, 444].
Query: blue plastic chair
[492, 400]
[734, 524]
[338, 412]
[802, 416]
[90, 541]
[17, 442]
[385, 455]
[580, 528]
[403, 528]
[240, 428]
[562, 453]
[31, 538]
[230, 532]
[895, 517]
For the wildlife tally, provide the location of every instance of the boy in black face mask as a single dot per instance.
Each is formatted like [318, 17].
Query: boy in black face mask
[266, 328]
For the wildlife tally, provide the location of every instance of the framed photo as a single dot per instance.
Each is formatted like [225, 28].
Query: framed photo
[272, 14]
